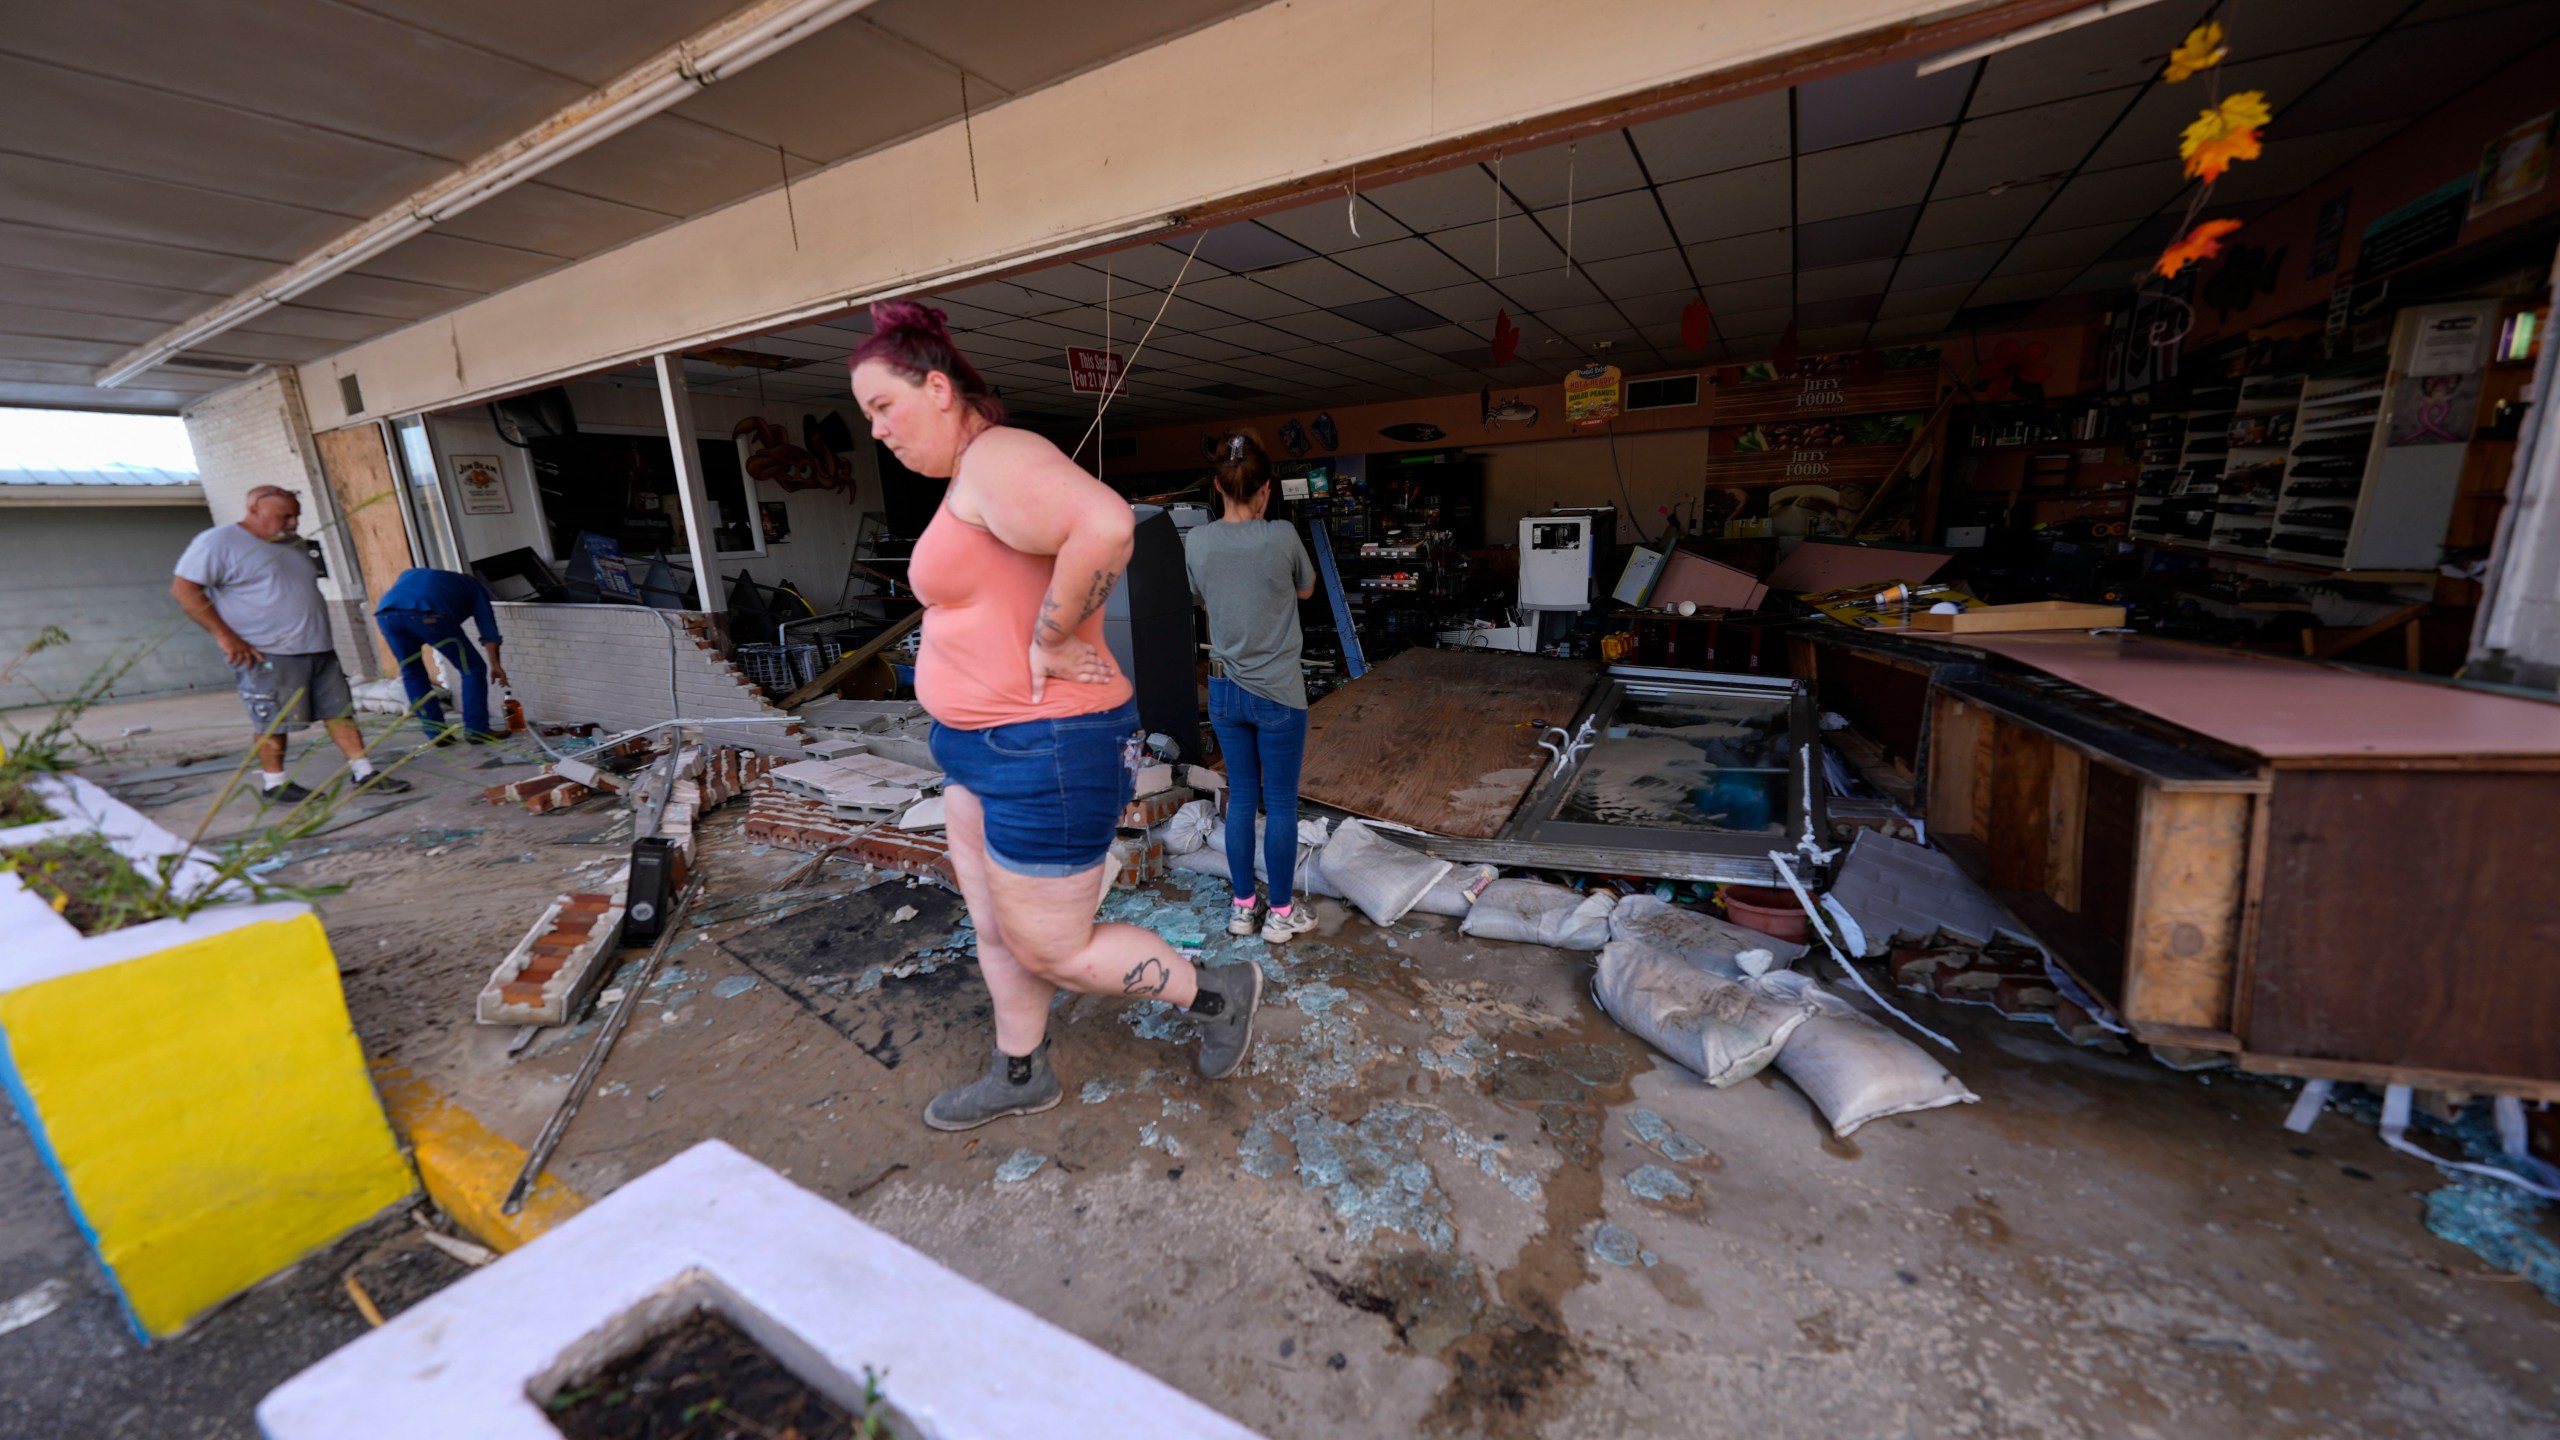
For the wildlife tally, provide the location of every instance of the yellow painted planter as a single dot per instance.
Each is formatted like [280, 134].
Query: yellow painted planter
[195, 1085]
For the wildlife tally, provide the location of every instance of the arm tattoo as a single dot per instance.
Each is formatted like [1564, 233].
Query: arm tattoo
[1147, 977]
[1046, 629]
[1050, 629]
[1099, 593]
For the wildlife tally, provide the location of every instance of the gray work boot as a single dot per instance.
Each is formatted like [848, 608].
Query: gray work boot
[1226, 1024]
[1013, 1085]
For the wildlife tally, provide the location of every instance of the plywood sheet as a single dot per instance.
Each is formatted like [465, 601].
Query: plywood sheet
[1445, 741]
[359, 472]
[2407, 922]
[2287, 709]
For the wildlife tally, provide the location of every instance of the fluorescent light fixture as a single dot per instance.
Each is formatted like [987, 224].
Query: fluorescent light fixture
[712, 55]
[2071, 20]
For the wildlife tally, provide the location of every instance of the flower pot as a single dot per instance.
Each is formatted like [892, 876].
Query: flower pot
[1771, 912]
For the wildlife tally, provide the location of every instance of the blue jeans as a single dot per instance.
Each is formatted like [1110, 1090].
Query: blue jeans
[412, 633]
[1053, 790]
[1263, 742]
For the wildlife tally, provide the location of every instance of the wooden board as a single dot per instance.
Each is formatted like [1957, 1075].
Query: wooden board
[2033, 615]
[360, 479]
[2407, 921]
[2182, 956]
[1445, 741]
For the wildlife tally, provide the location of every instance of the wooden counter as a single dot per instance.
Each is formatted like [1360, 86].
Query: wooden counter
[2327, 872]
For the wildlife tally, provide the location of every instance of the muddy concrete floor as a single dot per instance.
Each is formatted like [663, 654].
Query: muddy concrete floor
[1447, 1196]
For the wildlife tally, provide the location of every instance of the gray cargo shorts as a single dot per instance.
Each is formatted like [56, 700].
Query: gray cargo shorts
[286, 692]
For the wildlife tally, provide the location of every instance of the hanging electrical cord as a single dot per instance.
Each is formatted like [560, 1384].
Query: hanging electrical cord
[1121, 382]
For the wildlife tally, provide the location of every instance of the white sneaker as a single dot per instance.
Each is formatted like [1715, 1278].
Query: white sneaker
[1246, 919]
[1281, 929]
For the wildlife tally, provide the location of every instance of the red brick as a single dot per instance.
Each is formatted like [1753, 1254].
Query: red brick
[518, 993]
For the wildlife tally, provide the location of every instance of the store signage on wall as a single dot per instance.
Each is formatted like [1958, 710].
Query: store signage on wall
[2424, 226]
[482, 485]
[2515, 164]
[1094, 372]
[1836, 464]
[1591, 395]
[1809, 396]
[2327, 234]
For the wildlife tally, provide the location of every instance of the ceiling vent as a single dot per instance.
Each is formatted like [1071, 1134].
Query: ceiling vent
[1668, 393]
[351, 395]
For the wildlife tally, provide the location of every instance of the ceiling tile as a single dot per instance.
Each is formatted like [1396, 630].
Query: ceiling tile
[1603, 229]
[1461, 196]
[1911, 327]
[1854, 179]
[379, 295]
[1947, 267]
[1924, 300]
[1552, 288]
[1588, 168]
[1470, 304]
[1002, 296]
[1834, 282]
[1260, 338]
[1389, 314]
[563, 38]
[1875, 102]
[1743, 257]
[1768, 292]
[1324, 225]
[2314, 22]
[1524, 248]
[1645, 311]
[2061, 249]
[1754, 322]
[1733, 202]
[1584, 320]
[2128, 193]
[2152, 125]
[1407, 265]
[2010, 289]
[1871, 236]
[1237, 295]
[2126, 49]
[335, 326]
[1831, 337]
[1195, 347]
[1326, 326]
[62, 196]
[1641, 274]
[1321, 282]
[2289, 166]
[1245, 247]
[1069, 284]
[2021, 146]
[1976, 219]
[1156, 266]
[150, 262]
[1720, 137]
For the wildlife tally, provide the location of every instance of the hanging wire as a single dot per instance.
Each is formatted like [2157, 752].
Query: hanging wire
[783, 158]
[969, 134]
[1140, 348]
[1569, 148]
[1351, 202]
[1497, 214]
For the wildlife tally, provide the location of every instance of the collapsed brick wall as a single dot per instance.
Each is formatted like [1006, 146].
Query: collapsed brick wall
[255, 433]
[610, 664]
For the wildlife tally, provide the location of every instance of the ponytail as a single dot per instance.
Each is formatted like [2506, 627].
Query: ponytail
[1242, 470]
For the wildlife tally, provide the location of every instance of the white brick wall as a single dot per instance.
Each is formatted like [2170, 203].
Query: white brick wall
[256, 433]
[609, 664]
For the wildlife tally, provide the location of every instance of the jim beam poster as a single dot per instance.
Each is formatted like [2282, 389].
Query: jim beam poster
[1801, 453]
[482, 485]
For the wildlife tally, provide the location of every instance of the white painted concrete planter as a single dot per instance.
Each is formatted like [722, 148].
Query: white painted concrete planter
[79, 808]
[825, 1293]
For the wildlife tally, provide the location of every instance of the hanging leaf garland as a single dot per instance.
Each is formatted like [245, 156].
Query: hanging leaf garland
[2226, 133]
[2200, 51]
[2202, 243]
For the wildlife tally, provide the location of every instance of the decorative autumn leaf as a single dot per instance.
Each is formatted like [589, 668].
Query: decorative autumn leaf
[2201, 50]
[1506, 338]
[2228, 132]
[2202, 243]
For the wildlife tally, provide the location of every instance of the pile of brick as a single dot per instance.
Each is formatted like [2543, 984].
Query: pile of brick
[2005, 975]
[553, 966]
[539, 793]
[795, 822]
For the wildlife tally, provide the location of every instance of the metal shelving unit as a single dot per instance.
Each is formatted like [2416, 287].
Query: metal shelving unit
[2260, 436]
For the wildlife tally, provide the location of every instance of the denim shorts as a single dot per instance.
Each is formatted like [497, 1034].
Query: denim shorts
[1053, 790]
[286, 692]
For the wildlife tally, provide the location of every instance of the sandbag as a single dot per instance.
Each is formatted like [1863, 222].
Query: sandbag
[1712, 942]
[1305, 879]
[1380, 876]
[1456, 892]
[1852, 1068]
[1536, 913]
[1724, 1030]
[1191, 827]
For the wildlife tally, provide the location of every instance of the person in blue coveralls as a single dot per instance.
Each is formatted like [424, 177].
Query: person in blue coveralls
[423, 610]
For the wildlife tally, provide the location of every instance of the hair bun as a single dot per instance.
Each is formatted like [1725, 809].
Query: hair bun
[912, 316]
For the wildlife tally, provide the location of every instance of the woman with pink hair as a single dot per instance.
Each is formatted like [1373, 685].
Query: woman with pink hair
[1034, 727]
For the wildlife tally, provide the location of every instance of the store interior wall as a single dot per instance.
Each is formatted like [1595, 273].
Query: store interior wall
[825, 524]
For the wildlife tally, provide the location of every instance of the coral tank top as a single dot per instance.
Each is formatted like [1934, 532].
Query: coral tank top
[981, 598]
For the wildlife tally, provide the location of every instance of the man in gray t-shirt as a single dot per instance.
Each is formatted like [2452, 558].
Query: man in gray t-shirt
[258, 595]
